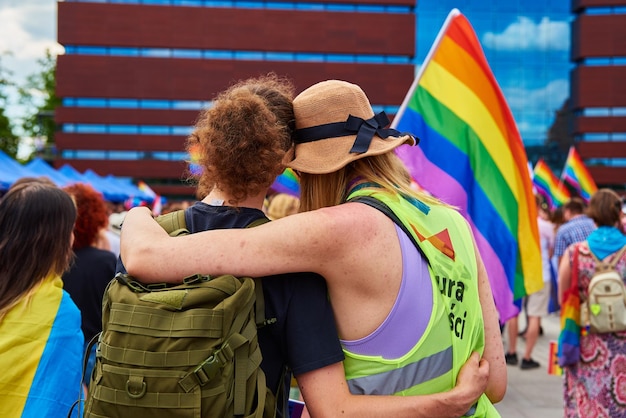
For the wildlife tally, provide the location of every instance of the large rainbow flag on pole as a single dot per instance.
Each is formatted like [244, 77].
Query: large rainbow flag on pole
[471, 155]
[576, 174]
[548, 185]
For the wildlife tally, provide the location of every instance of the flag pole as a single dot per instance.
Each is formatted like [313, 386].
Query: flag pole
[453, 13]
[569, 155]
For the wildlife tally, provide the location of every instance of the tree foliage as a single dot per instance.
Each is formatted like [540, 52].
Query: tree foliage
[39, 97]
[9, 142]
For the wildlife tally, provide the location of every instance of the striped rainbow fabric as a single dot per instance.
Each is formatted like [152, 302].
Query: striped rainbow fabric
[576, 174]
[548, 185]
[287, 182]
[194, 160]
[569, 337]
[41, 346]
[471, 156]
[143, 186]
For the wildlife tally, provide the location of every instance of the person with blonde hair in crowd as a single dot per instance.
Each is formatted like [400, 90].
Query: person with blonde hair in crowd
[281, 205]
[408, 287]
[594, 381]
[41, 341]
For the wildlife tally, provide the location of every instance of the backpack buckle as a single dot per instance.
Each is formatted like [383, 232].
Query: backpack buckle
[207, 370]
[196, 278]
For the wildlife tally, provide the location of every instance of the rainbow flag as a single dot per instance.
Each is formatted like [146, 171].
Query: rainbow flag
[548, 185]
[143, 186]
[41, 346]
[577, 175]
[287, 182]
[471, 156]
[194, 160]
[553, 360]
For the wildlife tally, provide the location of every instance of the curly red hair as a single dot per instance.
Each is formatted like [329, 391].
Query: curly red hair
[243, 137]
[92, 214]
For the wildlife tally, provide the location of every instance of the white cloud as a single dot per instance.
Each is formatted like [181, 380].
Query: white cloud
[530, 106]
[551, 96]
[27, 30]
[528, 35]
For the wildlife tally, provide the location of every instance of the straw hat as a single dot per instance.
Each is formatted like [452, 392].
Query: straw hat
[335, 125]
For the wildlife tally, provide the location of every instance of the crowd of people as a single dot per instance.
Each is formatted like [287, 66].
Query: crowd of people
[358, 231]
[575, 239]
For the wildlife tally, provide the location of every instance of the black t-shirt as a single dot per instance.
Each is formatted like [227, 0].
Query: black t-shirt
[86, 281]
[304, 336]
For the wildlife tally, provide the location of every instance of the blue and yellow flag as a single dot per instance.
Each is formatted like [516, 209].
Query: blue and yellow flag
[41, 345]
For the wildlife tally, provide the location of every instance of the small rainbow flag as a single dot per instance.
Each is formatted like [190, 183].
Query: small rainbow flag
[577, 175]
[548, 185]
[143, 186]
[287, 182]
[471, 156]
[553, 360]
[195, 168]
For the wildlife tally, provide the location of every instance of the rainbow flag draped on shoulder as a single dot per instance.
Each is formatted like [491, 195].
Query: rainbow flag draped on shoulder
[471, 156]
[576, 174]
[548, 185]
[41, 346]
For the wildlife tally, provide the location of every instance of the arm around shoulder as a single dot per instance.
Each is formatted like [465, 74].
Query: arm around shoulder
[140, 238]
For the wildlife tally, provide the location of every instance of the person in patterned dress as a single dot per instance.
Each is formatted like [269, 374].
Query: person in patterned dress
[595, 386]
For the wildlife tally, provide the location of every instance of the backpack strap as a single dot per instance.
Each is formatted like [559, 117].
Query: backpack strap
[258, 286]
[174, 223]
[617, 257]
[601, 265]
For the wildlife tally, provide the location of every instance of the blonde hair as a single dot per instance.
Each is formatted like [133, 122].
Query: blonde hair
[385, 170]
[281, 205]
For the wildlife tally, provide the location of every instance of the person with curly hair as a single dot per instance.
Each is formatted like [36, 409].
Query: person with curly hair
[407, 327]
[93, 267]
[41, 341]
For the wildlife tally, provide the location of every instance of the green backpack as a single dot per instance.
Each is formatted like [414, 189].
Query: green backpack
[187, 350]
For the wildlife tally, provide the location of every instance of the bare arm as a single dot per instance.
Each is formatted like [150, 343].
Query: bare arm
[310, 241]
[564, 275]
[326, 395]
[494, 350]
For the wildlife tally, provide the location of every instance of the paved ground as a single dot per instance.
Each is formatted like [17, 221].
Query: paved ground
[534, 393]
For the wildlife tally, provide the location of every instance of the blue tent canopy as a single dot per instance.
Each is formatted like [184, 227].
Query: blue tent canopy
[42, 168]
[112, 188]
[130, 188]
[110, 191]
[11, 170]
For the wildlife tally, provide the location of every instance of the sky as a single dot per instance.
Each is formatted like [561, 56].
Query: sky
[526, 43]
[27, 30]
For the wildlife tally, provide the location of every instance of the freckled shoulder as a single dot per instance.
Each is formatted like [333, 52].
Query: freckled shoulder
[353, 220]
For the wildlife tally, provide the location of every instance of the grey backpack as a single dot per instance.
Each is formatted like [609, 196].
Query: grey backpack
[604, 309]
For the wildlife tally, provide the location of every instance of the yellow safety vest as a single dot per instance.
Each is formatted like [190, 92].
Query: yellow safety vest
[456, 326]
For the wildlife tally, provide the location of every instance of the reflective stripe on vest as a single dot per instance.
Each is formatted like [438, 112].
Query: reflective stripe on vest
[397, 380]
